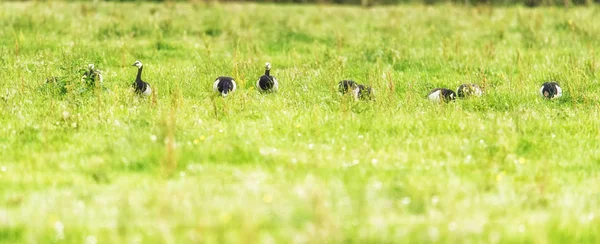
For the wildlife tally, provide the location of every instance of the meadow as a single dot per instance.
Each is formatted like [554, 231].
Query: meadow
[306, 164]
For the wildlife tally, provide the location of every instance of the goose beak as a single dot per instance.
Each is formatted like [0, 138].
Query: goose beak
[133, 65]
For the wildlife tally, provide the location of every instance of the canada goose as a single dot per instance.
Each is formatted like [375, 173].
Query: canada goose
[224, 85]
[139, 85]
[267, 83]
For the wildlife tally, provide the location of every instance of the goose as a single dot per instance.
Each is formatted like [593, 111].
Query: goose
[550, 90]
[224, 85]
[91, 75]
[267, 83]
[346, 85]
[139, 86]
[358, 91]
[362, 92]
[441, 94]
[466, 90]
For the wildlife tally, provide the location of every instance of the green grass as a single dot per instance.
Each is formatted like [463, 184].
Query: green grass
[305, 164]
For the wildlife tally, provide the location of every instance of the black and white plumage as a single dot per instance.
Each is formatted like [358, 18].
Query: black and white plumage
[224, 85]
[91, 76]
[467, 90]
[362, 92]
[139, 86]
[550, 90]
[346, 85]
[267, 83]
[357, 91]
[441, 95]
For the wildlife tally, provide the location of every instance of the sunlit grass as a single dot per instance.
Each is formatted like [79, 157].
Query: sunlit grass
[306, 164]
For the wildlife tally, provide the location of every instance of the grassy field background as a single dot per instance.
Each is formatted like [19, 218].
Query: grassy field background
[304, 165]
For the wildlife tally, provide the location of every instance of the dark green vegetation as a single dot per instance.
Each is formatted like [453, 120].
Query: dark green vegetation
[80, 164]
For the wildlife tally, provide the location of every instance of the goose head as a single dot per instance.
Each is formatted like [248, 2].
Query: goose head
[137, 64]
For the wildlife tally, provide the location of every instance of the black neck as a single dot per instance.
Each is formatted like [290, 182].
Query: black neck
[267, 72]
[139, 75]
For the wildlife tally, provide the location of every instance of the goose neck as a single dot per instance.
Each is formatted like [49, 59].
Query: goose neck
[139, 74]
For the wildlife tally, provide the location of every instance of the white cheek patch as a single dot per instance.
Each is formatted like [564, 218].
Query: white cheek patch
[435, 96]
[148, 91]
[216, 85]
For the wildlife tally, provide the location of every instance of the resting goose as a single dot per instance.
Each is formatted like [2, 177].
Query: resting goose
[362, 92]
[550, 90]
[441, 94]
[466, 90]
[346, 85]
[91, 76]
[224, 85]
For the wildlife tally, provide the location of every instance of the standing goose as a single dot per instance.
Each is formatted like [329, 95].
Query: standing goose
[550, 90]
[441, 94]
[466, 90]
[91, 76]
[224, 85]
[267, 83]
[139, 85]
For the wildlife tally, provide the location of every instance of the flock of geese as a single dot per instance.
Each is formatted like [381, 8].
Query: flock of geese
[267, 83]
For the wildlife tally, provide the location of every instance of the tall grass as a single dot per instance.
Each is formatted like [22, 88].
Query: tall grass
[305, 164]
